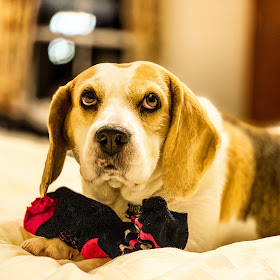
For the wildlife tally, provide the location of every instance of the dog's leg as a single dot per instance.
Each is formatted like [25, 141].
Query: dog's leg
[54, 248]
[57, 249]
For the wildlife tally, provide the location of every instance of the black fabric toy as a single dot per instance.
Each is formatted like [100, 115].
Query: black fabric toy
[95, 229]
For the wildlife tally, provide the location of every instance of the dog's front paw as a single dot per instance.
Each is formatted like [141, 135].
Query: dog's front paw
[54, 248]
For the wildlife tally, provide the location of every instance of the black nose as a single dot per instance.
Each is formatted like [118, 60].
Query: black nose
[112, 138]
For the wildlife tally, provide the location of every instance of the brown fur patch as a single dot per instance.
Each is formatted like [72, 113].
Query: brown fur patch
[264, 200]
[87, 74]
[254, 193]
[241, 172]
[147, 79]
[191, 144]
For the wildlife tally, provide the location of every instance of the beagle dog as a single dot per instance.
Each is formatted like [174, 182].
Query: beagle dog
[137, 131]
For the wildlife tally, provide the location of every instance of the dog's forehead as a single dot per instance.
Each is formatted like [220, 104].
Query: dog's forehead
[122, 76]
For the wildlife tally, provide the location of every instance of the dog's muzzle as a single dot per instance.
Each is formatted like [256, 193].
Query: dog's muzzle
[112, 138]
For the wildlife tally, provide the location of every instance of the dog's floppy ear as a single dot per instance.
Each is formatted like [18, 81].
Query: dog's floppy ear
[58, 147]
[191, 144]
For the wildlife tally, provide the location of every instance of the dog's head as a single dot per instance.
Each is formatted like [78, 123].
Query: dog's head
[123, 123]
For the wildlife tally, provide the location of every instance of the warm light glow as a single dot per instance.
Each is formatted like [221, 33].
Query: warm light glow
[72, 23]
[61, 51]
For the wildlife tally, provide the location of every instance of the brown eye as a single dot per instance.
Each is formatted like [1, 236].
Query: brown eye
[89, 98]
[151, 101]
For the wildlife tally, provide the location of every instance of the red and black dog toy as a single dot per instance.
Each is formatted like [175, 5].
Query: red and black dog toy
[95, 229]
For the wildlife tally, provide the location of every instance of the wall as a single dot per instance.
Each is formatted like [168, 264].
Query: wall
[208, 45]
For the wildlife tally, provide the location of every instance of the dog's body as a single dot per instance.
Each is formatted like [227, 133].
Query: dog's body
[137, 131]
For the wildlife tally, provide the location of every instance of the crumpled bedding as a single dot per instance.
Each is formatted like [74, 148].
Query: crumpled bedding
[21, 164]
[245, 260]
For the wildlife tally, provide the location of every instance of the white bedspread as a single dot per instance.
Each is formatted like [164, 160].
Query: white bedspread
[21, 164]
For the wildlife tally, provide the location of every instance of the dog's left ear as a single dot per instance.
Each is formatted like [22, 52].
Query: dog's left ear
[191, 144]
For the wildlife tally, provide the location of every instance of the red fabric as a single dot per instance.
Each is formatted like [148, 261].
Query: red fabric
[136, 221]
[133, 218]
[132, 242]
[41, 210]
[145, 236]
[92, 250]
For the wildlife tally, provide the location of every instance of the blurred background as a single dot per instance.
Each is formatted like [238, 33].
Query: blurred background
[226, 50]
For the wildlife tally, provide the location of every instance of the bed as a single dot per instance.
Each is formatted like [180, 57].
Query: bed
[21, 164]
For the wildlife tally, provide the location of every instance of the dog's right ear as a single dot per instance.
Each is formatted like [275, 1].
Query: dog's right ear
[59, 108]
